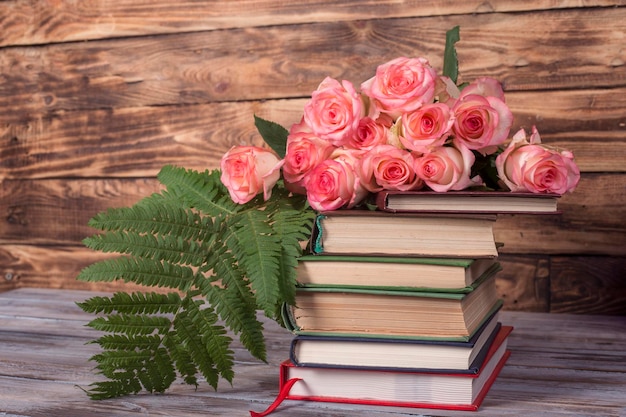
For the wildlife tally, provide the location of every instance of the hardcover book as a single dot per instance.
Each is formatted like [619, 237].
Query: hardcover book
[494, 202]
[366, 232]
[454, 391]
[396, 354]
[400, 273]
[379, 313]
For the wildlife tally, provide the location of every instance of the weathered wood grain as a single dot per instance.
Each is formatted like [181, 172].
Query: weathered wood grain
[584, 227]
[523, 284]
[57, 211]
[87, 125]
[561, 365]
[54, 267]
[592, 284]
[8, 282]
[39, 22]
[132, 142]
[560, 49]
[137, 142]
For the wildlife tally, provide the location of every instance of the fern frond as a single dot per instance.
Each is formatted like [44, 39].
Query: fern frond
[181, 357]
[111, 361]
[214, 338]
[151, 368]
[192, 340]
[292, 225]
[116, 387]
[170, 248]
[192, 238]
[159, 372]
[235, 303]
[131, 324]
[203, 191]
[157, 214]
[128, 342]
[134, 303]
[143, 271]
[257, 251]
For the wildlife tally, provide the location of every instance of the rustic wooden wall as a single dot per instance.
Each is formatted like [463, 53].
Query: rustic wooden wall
[96, 96]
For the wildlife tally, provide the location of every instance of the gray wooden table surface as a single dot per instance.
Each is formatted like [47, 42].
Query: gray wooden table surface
[561, 365]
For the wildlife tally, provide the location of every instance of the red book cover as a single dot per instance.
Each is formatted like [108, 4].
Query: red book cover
[313, 384]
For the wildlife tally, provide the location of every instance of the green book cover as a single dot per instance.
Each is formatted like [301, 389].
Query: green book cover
[454, 262]
[397, 291]
[460, 262]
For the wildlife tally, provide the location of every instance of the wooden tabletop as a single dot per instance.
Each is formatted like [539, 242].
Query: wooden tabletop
[561, 365]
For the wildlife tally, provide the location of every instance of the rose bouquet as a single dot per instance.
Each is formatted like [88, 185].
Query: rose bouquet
[224, 244]
[407, 129]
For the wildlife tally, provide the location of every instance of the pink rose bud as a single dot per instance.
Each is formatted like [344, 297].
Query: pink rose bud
[426, 128]
[334, 183]
[401, 85]
[530, 166]
[248, 170]
[334, 111]
[447, 168]
[482, 123]
[390, 168]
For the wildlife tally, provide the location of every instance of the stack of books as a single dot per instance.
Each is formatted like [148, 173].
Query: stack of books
[398, 306]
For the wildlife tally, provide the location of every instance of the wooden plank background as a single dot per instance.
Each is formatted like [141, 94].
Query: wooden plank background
[96, 97]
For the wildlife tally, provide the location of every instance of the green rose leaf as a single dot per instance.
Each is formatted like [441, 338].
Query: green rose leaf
[273, 134]
[450, 60]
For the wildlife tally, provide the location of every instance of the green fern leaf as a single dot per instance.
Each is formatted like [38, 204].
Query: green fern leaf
[170, 248]
[152, 368]
[131, 324]
[202, 191]
[157, 214]
[159, 372]
[257, 250]
[134, 303]
[110, 361]
[128, 342]
[194, 239]
[181, 357]
[214, 338]
[292, 225]
[240, 316]
[140, 270]
[191, 339]
[116, 387]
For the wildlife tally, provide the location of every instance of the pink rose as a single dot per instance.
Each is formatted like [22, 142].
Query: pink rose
[389, 168]
[334, 183]
[371, 133]
[486, 87]
[481, 123]
[246, 170]
[446, 168]
[426, 128]
[334, 111]
[304, 152]
[401, 85]
[529, 166]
